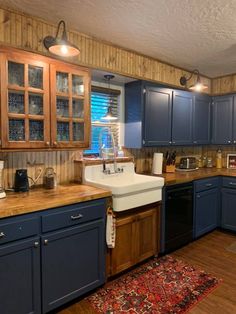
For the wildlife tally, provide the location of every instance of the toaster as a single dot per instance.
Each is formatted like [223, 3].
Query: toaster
[188, 163]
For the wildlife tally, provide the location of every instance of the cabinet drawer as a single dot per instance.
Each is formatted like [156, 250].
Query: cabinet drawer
[15, 230]
[206, 184]
[72, 215]
[229, 182]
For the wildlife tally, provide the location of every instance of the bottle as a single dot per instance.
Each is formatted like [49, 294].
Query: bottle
[218, 159]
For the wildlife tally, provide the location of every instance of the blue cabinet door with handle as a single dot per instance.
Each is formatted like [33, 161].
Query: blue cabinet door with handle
[182, 118]
[222, 119]
[206, 211]
[20, 277]
[73, 263]
[228, 199]
[157, 112]
[201, 119]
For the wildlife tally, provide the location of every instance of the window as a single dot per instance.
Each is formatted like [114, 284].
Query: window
[101, 99]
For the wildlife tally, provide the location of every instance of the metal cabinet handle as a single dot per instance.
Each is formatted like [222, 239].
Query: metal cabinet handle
[234, 141]
[173, 142]
[170, 142]
[36, 244]
[55, 143]
[209, 184]
[232, 183]
[47, 143]
[76, 217]
[198, 196]
[195, 142]
[2, 234]
[229, 142]
[45, 242]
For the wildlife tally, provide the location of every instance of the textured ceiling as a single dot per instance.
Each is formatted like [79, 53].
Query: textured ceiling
[187, 33]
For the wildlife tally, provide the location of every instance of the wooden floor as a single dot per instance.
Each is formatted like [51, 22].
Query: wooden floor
[210, 254]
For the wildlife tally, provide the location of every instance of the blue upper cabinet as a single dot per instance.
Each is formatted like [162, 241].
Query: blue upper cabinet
[134, 107]
[157, 116]
[201, 119]
[182, 118]
[222, 119]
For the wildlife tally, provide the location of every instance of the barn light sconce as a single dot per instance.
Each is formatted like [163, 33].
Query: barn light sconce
[198, 86]
[60, 45]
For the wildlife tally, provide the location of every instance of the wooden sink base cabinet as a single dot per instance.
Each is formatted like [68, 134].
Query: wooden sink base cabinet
[137, 238]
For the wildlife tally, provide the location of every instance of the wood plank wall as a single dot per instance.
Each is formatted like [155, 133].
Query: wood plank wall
[224, 85]
[61, 161]
[27, 33]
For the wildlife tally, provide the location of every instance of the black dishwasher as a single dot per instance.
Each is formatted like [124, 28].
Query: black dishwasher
[178, 215]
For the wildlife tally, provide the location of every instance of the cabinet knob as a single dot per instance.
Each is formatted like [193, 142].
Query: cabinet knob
[229, 142]
[234, 141]
[47, 143]
[195, 142]
[173, 142]
[198, 196]
[170, 142]
[55, 143]
[2, 234]
[36, 244]
[45, 242]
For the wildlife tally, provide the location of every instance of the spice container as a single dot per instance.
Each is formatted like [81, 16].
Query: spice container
[219, 159]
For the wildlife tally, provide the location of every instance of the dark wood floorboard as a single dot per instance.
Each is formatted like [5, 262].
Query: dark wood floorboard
[210, 254]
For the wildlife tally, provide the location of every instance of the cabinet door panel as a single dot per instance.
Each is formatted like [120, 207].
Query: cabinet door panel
[25, 119]
[206, 211]
[222, 115]
[182, 118]
[201, 119]
[123, 255]
[146, 234]
[70, 118]
[157, 124]
[20, 278]
[73, 263]
[228, 209]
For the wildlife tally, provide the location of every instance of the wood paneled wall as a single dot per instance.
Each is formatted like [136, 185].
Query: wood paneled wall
[27, 33]
[61, 161]
[224, 85]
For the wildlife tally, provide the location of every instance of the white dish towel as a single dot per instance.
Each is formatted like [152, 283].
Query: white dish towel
[110, 229]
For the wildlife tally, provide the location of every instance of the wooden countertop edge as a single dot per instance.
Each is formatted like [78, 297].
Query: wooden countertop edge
[40, 199]
[203, 173]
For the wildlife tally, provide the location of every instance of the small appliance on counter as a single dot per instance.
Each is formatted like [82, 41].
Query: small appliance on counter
[188, 163]
[21, 181]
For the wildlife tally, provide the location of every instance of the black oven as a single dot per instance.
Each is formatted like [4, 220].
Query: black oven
[177, 216]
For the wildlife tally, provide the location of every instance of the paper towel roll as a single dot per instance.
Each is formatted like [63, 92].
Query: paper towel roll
[157, 163]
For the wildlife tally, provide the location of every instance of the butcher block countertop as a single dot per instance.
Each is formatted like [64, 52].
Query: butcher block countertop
[40, 199]
[182, 177]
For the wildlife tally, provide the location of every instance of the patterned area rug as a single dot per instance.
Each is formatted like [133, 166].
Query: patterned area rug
[164, 285]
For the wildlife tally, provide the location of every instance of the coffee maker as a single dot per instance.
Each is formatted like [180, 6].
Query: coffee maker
[21, 181]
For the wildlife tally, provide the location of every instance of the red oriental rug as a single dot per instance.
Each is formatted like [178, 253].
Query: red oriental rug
[164, 285]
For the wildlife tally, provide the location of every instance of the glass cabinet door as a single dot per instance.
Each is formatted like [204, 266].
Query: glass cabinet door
[70, 117]
[25, 118]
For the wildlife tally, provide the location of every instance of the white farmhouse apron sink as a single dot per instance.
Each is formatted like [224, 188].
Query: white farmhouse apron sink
[129, 190]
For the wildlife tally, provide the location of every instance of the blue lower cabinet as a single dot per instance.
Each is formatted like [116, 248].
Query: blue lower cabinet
[206, 207]
[73, 263]
[20, 277]
[228, 219]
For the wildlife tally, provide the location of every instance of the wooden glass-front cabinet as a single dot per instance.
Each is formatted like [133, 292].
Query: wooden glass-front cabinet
[44, 102]
[70, 110]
